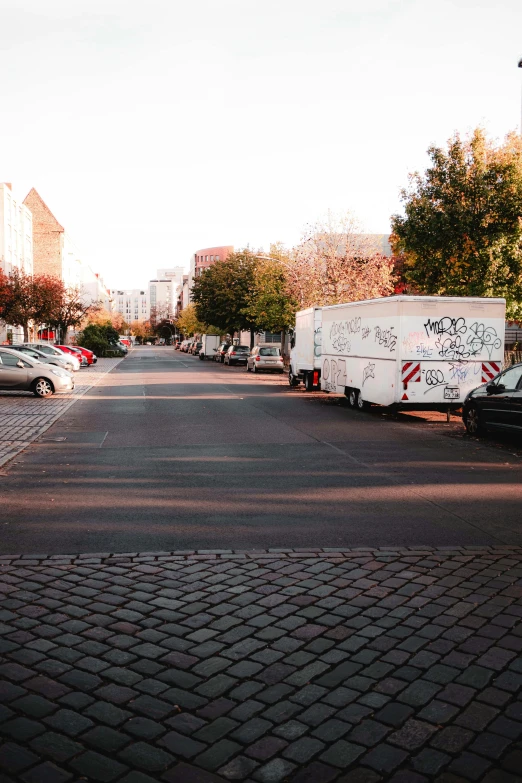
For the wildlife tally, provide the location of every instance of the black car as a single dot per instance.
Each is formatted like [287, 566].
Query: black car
[237, 354]
[495, 405]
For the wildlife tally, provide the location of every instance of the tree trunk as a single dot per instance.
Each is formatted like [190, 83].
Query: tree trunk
[283, 345]
[26, 333]
[252, 338]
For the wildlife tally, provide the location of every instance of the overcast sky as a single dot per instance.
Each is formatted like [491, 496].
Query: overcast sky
[153, 128]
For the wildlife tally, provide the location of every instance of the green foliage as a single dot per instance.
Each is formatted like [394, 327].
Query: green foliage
[222, 293]
[269, 304]
[461, 234]
[100, 338]
[188, 322]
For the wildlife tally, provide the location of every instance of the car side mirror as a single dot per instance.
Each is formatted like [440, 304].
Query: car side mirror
[20, 364]
[495, 388]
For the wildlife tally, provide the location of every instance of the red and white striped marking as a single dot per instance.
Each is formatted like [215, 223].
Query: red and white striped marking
[411, 372]
[489, 370]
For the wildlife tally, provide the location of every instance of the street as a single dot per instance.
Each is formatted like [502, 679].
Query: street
[208, 576]
[169, 453]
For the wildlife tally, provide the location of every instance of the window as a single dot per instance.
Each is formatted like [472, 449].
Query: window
[270, 351]
[206, 258]
[10, 360]
[511, 377]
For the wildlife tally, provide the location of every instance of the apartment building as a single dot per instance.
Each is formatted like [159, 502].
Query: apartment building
[16, 245]
[16, 233]
[132, 303]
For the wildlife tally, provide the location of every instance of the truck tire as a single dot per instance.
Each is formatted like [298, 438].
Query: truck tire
[309, 381]
[362, 405]
[202, 358]
[352, 397]
[292, 380]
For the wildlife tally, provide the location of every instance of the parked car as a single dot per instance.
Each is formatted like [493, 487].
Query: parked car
[123, 348]
[74, 352]
[495, 405]
[177, 345]
[237, 354]
[196, 348]
[185, 346]
[221, 351]
[266, 357]
[89, 355]
[21, 372]
[64, 361]
[50, 350]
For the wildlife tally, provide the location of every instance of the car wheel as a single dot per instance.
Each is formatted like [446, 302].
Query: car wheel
[472, 421]
[254, 368]
[249, 369]
[42, 388]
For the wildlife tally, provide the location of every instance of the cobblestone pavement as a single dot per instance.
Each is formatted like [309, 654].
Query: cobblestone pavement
[309, 666]
[23, 417]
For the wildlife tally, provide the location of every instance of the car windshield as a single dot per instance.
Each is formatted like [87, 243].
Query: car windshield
[269, 351]
[241, 349]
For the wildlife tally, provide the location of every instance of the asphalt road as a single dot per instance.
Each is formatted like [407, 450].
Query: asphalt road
[170, 453]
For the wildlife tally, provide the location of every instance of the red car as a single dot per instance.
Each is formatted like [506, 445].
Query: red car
[75, 352]
[89, 355]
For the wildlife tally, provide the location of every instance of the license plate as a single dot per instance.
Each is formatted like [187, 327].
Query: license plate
[451, 393]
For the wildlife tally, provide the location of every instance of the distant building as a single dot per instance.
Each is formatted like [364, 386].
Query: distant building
[16, 245]
[54, 253]
[202, 259]
[132, 303]
[16, 233]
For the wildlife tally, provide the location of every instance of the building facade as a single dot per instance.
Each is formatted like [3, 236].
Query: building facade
[16, 233]
[202, 259]
[132, 303]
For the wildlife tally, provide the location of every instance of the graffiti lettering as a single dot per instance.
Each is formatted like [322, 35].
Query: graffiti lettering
[365, 332]
[385, 337]
[481, 338]
[452, 348]
[318, 341]
[424, 350]
[340, 331]
[434, 377]
[459, 371]
[447, 325]
[368, 372]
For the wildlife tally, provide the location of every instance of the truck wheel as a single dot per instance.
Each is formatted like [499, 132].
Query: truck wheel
[309, 381]
[292, 380]
[201, 357]
[362, 405]
[352, 398]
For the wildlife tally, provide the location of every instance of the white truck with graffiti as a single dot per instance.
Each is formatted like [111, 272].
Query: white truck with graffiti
[417, 352]
[305, 353]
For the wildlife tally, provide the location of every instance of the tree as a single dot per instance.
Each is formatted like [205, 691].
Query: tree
[99, 338]
[335, 262]
[187, 321]
[71, 309]
[6, 295]
[269, 304]
[32, 299]
[222, 293]
[102, 316]
[461, 232]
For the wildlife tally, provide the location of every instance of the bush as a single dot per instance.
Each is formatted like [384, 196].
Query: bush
[101, 338]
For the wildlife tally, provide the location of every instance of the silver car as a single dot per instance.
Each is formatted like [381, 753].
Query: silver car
[50, 350]
[60, 361]
[20, 372]
[265, 356]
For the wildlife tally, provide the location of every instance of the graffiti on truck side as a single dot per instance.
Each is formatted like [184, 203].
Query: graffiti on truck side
[457, 341]
[340, 332]
[334, 374]
[385, 337]
[368, 372]
[318, 341]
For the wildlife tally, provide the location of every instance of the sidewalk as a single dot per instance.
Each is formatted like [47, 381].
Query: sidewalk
[24, 418]
[352, 666]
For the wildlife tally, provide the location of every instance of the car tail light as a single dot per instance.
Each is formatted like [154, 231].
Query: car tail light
[316, 377]
[232, 353]
[258, 358]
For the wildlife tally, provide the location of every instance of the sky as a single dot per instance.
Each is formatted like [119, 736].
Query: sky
[154, 128]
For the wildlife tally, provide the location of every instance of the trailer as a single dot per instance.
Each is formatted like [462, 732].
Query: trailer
[305, 353]
[411, 352]
[210, 343]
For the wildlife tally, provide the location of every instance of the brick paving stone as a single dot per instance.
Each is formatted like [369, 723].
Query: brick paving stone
[353, 666]
[46, 773]
[97, 767]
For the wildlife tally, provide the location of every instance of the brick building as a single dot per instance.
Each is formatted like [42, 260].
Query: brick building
[204, 258]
